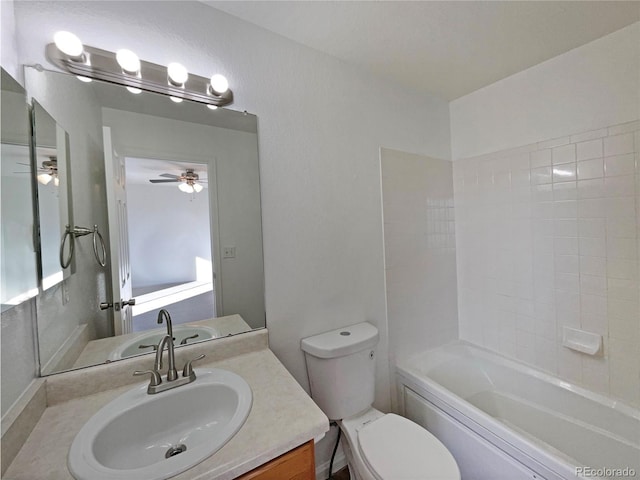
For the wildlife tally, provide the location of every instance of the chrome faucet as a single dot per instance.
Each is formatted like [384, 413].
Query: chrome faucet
[188, 375]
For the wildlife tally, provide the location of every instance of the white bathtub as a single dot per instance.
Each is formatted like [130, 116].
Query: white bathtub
[504, 420]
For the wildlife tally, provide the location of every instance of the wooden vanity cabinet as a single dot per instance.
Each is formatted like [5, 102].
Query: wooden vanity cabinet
[296, 464]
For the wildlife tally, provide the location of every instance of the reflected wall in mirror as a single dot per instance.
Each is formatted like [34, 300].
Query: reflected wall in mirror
[174, 188]
[51, 169]
[19, 268]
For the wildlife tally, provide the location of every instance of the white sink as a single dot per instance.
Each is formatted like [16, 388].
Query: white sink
[132, 436]
[131, 347]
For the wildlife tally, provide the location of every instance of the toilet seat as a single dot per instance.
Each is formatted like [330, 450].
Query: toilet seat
[395, 448]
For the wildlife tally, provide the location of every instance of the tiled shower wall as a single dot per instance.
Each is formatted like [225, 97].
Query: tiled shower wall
[420, 256]
[547, 236]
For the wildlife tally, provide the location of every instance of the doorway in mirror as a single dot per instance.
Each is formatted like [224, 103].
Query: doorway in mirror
[170, 240]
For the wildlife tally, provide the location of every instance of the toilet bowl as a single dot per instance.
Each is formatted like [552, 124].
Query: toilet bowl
[378, 446]
[382, 446]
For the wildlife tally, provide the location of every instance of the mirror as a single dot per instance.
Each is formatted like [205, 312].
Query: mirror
[173, 192]
[19, 268]
[51, 167]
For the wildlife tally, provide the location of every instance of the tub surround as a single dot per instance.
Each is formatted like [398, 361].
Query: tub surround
[282, 417]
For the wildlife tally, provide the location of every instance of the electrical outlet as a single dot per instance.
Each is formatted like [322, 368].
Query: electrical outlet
[228, 252]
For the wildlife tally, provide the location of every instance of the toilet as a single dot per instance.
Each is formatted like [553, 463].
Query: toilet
[378, 446]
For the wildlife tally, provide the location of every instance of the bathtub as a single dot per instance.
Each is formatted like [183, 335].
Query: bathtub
[503, 420]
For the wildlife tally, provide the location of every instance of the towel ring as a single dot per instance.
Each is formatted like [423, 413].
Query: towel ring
[74, 232]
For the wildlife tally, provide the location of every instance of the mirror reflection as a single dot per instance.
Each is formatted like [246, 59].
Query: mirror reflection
[19, 270]
[174, 190]
[51, 148]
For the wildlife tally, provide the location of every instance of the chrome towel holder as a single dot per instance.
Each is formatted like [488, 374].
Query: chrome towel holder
[74, 232]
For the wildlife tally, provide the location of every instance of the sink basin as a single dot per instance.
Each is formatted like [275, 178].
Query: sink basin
[151, 437]
[131, 347]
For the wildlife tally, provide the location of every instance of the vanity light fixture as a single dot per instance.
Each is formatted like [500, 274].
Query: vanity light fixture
[177, 75]
[129, 62]
[125, 68]
[218, 84]
[70, 45]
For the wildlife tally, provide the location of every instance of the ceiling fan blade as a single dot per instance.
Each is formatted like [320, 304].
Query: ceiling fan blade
[20, 163]
[164, 181]
[169, 175]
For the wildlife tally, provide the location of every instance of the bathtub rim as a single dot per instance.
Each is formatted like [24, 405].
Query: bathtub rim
[408, 365]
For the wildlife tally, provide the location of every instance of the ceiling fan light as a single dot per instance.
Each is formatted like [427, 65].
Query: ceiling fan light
[56, 181]
[185, 187]
[197, 187]
[44, 178]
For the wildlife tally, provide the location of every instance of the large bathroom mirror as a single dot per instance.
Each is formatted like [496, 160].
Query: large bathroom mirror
[19, 268]
[172, 191]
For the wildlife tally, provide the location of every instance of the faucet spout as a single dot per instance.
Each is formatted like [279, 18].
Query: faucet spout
[164, 315]
[172, 372]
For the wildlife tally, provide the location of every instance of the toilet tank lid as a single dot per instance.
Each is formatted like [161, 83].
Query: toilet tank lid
[341, 342]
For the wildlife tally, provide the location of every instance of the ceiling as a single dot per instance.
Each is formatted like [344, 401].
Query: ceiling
[446, 48]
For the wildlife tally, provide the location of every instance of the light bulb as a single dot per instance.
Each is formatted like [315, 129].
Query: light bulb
[134, 90]
[44, 178]
[176, 99]
[69, 44]
[83, 79]
[212, 107]
[178, 75]
[197, 187]
[128, 60]
[186, 188]
[219, 84]
[56, 181]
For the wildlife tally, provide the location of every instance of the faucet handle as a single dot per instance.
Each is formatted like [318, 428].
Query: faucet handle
[187, 371]
[156, 379]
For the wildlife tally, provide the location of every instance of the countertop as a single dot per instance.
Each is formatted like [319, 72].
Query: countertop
[282, 417]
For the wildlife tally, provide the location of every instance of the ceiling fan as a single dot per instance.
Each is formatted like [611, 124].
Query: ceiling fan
[189, 181]
[48, 171]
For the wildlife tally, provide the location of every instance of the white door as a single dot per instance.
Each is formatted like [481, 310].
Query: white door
[118, 237]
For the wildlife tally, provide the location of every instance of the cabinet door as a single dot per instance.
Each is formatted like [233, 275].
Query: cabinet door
[297, 464]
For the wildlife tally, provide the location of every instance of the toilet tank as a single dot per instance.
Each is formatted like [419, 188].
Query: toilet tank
[341, 368]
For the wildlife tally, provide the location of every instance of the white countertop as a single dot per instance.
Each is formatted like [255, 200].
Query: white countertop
[282, 417]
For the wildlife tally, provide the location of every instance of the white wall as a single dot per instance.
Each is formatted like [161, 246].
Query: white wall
[8, 41]
[547, 232]
[420, 256]
[18, 324]
[592, 86]
[321, 123]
